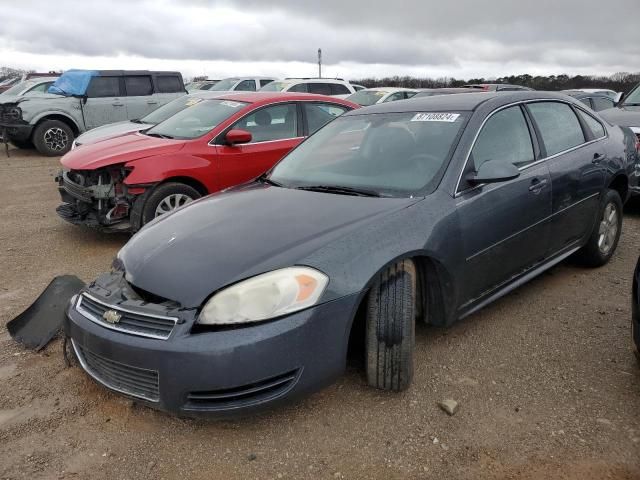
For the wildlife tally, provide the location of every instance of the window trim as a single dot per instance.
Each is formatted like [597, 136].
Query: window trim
[543, 153]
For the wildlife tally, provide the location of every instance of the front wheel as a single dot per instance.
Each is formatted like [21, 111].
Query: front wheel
[604, 239]
[166, 198]
[391, 328]
[53, 138]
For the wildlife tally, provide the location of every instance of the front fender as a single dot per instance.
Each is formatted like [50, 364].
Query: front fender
[76, 120]
[162, 167]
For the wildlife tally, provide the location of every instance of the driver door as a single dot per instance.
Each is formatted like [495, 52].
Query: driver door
[505, 226]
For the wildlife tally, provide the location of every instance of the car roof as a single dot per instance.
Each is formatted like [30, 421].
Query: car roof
[466, 102]
[389, 89]
[314, 80]
[270, 97]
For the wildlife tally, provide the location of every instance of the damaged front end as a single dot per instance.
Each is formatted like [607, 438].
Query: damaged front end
[100, 199]
[12, 126]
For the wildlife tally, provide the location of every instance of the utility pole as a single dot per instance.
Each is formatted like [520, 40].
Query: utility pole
[319, 63]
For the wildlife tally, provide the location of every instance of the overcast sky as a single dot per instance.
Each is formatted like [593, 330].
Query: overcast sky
[458, 38]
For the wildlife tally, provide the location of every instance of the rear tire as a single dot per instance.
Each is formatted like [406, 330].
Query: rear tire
[53, 138]
[391, 328]
[606, 232]
[165, 198]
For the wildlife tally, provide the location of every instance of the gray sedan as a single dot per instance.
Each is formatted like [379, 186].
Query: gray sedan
[419, 210]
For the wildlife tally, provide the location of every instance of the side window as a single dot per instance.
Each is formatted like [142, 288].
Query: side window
[594, 125]
[319, 88]
[277, 122]
[504, 138]
[339, 89]
[299, 88]
[395, 96]
[601, 103]
[169, 84]
[246, 86]
[586, 101]
[104, 87]
[319, 114]
[409, 94]
[138, 85]
[558, 125]
[264, 82]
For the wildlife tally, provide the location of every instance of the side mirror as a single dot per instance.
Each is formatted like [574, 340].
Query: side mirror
[492, 171]
[618, 98]
[237, 136]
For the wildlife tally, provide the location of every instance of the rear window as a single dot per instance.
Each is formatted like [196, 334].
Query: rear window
[138, 85]
[104, 87]
[339, 89]
[366, 97]
[169, 84]
[196, 120]
[319, 88]
[558, 125]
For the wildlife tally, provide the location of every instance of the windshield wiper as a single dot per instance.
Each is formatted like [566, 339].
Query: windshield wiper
[265, 179]
[136, 120]
[159, 135]
[359, 192]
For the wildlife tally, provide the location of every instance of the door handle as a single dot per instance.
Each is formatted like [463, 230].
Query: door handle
[151, 103]
[116, 104]
[597, 158]
[537, 185]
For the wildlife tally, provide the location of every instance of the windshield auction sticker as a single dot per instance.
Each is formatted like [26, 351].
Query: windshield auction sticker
[227, 103]
[435, 117]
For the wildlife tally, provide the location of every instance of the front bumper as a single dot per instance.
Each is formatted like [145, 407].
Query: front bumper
[226, 373]
[17, 132]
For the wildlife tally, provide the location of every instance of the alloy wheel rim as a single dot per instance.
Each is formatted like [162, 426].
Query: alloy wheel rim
[608, 229]
[56, 139]
[172, 202]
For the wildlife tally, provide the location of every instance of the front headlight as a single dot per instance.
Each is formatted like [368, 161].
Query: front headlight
[265, 296]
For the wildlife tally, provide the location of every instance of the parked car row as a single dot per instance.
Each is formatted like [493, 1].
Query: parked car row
[377, 219]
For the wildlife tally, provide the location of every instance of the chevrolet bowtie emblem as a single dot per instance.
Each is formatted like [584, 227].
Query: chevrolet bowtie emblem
[111, 316]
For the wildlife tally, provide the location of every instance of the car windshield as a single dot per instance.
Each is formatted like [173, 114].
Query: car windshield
[633, 98]
[196, 120]
[366, 97]
[170, 109]
[224, 85]
[18, 88]
[274, 87]
[396, 154]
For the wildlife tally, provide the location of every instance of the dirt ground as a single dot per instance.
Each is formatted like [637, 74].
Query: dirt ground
[545, 377]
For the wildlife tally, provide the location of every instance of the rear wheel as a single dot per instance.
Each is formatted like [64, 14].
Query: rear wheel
[606, 233]
[53, 138]
[391, 328]
[166, 198]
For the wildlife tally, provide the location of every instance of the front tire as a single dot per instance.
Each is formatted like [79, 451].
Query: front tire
[606, 233]
[53, 138]
[166, 198]
[391, 328]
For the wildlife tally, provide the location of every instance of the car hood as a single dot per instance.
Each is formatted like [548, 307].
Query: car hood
[29, 98]
[117, 150]
[622, 116]
[109, 131]
[227, 237]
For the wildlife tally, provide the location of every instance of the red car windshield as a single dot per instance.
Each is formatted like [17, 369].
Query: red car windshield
[196, 120]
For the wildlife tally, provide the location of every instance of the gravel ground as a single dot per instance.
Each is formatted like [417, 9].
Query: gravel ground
[546, 381]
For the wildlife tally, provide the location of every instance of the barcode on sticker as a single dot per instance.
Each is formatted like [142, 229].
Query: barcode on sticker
[435, 117]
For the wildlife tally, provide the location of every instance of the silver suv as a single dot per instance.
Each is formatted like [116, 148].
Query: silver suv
[81, 100]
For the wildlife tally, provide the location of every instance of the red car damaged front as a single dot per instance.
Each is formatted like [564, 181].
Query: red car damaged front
[93, 182]
[122, 183]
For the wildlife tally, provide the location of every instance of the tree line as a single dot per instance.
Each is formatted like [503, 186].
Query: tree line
[620, 82]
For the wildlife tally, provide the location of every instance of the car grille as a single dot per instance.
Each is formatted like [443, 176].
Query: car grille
[246, 395]
[135, 323]
[134, 381]
[76, 190]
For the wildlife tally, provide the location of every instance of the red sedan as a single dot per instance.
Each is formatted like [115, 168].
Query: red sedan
[122, 183]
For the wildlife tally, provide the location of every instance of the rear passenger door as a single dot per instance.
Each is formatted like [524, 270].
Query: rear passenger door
[139, 99]
[275, 130]
[574, 155]
[505, 229]
[105, 102]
